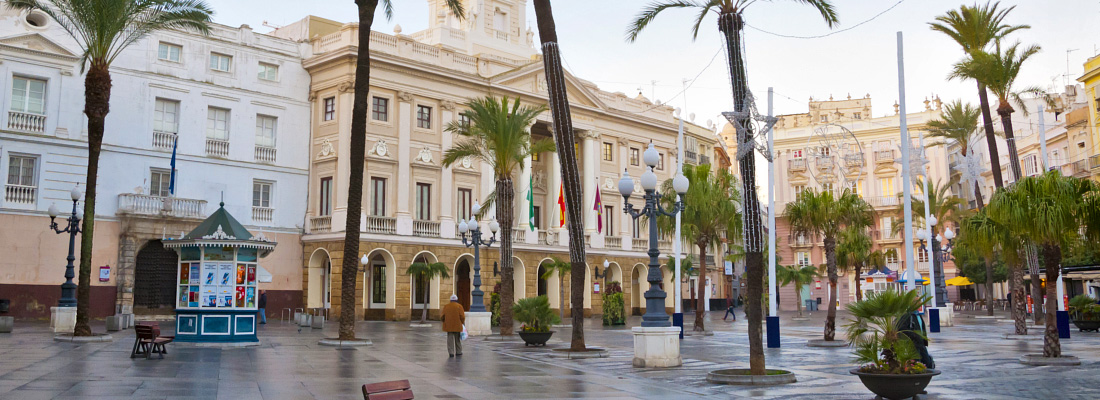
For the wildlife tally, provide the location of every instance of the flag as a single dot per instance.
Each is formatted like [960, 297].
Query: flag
[172, 180]
[599, 210]
[561, 206]
[531, 203]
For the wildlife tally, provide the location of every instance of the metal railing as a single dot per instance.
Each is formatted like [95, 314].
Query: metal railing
[217, 147]
[320, 224]
[26, 122]
[265, 154]
[143, 204]
[883, 201]
[825, 162]
[163, 140]
[613, 242]
[426, 228]
[690, 156]
[377, 224]
[884, 156]
[853, 160]
[1080, 168]
[798, 164]
[263, 214]
[704, 160]
[20, 194]
[1094, 162]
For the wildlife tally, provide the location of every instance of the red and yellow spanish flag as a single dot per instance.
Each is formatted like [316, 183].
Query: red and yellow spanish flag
[561, 206]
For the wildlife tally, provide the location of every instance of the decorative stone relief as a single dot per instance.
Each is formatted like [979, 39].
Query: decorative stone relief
[447, 105]
[609, 184]
[623, 142]
[467, 162]
[538, 179]
[380, 148]
[345, 87]
[540, 83]
[637, 184]
[588, 134]
[404, 96]
[425, 155]
[326, 149]
[259, 238]
[219, 235]
[312, 96]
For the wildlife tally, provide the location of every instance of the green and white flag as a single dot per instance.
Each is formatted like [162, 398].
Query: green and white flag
[531, 202]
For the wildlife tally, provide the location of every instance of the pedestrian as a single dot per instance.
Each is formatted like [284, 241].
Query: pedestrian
[912, 326]
[262, 304]
[730, 311]
[454, 318]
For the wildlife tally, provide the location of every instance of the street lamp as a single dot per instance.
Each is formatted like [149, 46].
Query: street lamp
[941, 253]
[655, 315]
[72, 227]
[477, 300]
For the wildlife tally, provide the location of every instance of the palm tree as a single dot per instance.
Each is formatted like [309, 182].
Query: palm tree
[426, 271]
[358, 147]
[800, 276]
[103, 29]
[944, 207]
[958, 125]
[822, 214]
[497, 134]
[567, 157]
[1048, 210]
[854, 249]
[712, 212]
[731, 25]
[982, 235]
[687, 267]
[556, 265]
[974, 28]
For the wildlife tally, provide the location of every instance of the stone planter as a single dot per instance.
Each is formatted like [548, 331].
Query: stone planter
[114, 323]
[896, 387]
[1087, 325]
[535, 338]
[741, 376]
[6, 324]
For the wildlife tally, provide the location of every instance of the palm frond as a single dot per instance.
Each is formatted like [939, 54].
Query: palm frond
[650, 12]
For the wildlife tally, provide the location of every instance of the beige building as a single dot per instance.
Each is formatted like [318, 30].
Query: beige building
[813, 152]
[411, 202]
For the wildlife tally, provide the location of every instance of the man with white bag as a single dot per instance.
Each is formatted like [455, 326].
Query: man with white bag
[454, 320]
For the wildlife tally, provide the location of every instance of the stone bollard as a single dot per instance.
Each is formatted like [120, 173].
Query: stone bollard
[318, 322]
[297, 318]
[6, 324]
[307, 320]
[114, 323]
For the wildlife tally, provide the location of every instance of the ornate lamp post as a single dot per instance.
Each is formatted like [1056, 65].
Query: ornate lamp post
[655, 315]
[72, 227]
[477, 297]
[941, 253]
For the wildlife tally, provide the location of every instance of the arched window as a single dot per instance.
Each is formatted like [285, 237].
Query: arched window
[378, 281]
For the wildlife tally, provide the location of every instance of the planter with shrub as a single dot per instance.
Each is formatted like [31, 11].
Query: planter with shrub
[887, 337]
[537, 317]
[1085, 313]
[613, 311]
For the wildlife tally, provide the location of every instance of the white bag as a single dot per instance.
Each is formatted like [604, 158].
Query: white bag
[464, 334]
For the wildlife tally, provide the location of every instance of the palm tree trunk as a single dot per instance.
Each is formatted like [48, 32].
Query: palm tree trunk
[1030, 259]
[859, 282]
[978, 195]
[561, 295]
[567, 157]
[990, 136]
[989, 287]
[701, 290]
[730, 25]
[1019, 305]
[424, 314]
[830, 260]
[798, 297]
[1052, 257]
[505, 214]
[1005, 112]
[349, 268]
[97, 99]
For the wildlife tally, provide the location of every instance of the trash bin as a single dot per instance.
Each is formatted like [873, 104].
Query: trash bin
[4, 305]
[811, 305]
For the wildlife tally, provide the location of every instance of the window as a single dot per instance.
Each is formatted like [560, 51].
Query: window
[217, 123]
[159, 182]
[265, 130]
[535, 157]
[796, 153]
[465, 204]
[856, 187]
[537, 217]
[634, 157]
[423, 201]
[802, 258]
[824, 118]
[378, 196]
[1031, 165]
[21, 170]
[220, 62]
[261, 194]
[464, 119]
[798, 191]
[608, 149]
[166, 116]
[28, 95]
[891, 256]
[636, 228]
[169, 52]
[886, 187]
[827, 187]
[857, 115]
[888, 227]
[380, 109]
[268, 72]
[330, 108]
[325, 207]
[660, 161]
[378, 280]
[609, 220]
[423, 117]
[922, 255]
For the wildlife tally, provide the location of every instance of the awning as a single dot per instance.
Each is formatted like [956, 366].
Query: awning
[920, 279]
[262, 275]
[959, 281]
[1083, 276]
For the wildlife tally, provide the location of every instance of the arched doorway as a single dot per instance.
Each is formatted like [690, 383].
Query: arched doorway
[320, 280]
[155, 279]
[463, 283]
[638, 284]
[542, 285]
[380, 281]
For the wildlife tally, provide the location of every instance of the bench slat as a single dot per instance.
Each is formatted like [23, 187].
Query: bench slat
[402, 395]
[372, 388]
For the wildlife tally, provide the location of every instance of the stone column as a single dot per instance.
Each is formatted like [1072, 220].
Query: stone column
[553, 188]
[404, 182]
[624, 220]
[446, 185]
[124, 276]
[591, 164]
[343, 157]
[522, 207]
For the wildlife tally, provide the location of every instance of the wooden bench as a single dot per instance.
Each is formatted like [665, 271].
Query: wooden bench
[148, 341]
[392, 390]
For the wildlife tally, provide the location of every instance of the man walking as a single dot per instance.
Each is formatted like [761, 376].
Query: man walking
[262, 304]
[453, 318]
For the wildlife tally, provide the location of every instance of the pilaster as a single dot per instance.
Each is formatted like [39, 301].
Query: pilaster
[404, 182]
[447, 192]
[591, 167]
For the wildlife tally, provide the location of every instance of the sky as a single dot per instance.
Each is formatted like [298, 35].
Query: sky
[855, 62]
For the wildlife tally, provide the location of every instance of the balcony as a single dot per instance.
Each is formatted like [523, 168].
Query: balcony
[613, 242]
[690, 156]
[164, 140]
[320, 224]
[922, 266]
[801, 241]
[639, 244]
[142, 204]
[1079, 169]
[825, 163]
[519, 235]
[265, 154]
[1094, 162]
[665, 245]
[704, 160]
[26, 122]
[426, 228]
[375, 224]
[853, 160]
[217, 148]
[883, 201]
[262, 214]
[502, 35]
[798, 164]
[884, 156]
[20, 195]
[544, 236]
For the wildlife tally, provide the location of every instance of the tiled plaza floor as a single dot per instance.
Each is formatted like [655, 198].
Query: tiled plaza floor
[976, 364]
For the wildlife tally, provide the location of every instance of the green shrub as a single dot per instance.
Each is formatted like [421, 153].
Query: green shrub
[877, 342]
[613, 305]
[494, 306]
[535, 314]
[1084, 308]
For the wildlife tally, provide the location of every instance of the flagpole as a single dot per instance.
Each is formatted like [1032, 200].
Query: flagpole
[677, 246]
[907, 205]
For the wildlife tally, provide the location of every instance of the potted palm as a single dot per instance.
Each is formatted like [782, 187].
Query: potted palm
[537, 317]
[887, 346]
[1085, 313]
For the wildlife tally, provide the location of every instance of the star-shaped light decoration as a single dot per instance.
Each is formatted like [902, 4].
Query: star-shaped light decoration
[971, 167]
[917, 161]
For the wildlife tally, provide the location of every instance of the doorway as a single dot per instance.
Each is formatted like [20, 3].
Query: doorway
[155, 279]
[463, 283]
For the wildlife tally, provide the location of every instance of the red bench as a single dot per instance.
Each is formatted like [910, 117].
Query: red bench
[392, 390]
[148, 341]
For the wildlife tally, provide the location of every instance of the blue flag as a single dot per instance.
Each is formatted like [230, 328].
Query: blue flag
[172, 181]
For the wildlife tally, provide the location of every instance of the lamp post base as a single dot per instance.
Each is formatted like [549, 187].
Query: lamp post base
[479, 323]
[62, 319]
[657, 347]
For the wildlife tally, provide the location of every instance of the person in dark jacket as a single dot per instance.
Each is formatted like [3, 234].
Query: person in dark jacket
[912, 326]
[262, 304]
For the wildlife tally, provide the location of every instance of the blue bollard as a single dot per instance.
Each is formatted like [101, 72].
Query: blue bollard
[1063, 324]
[773, 332]
[933, 319]
[678, 320]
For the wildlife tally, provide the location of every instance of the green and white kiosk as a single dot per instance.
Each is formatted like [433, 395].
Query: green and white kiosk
[216, 287]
